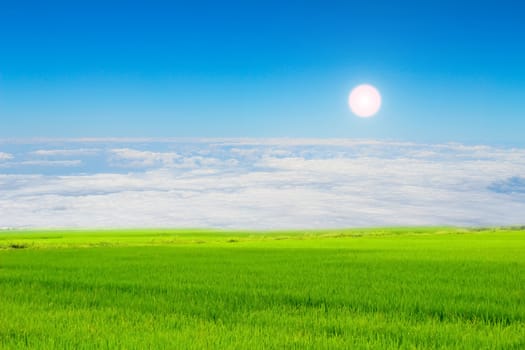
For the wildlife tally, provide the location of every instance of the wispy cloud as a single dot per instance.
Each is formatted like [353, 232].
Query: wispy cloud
[66, 152]
[274, 184]
[132, 158]
[136, 158]
[5, 156]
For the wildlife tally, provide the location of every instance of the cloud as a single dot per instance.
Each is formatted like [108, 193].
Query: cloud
[132, 158]
[127, 157]
[5, 156]
[273, 183]
[66, 152]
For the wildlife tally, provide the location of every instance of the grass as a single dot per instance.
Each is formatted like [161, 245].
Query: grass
[435, 288]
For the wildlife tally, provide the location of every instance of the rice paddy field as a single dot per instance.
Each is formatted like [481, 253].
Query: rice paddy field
[402, 288]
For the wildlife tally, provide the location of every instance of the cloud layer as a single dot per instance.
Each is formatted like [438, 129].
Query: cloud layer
[258, 183]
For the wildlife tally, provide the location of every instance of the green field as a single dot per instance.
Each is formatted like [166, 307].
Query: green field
[350, 289]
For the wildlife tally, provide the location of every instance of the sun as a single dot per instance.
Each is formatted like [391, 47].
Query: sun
[364, 100]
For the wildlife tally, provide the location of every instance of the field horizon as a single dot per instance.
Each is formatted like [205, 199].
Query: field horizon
[37, 237]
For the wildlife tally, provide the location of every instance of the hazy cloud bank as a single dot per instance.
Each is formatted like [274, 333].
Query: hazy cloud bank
[259, 183]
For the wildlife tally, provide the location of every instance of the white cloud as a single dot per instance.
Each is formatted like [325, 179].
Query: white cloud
[66, 152]
[273, 184]
[127, 157]
[132, 158]
[5, 156]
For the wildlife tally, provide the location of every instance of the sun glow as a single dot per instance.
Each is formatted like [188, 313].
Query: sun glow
[364, 101]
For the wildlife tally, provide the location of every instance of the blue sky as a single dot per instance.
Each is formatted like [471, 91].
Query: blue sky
[447, 70]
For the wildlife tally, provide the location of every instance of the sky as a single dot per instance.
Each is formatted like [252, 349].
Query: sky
[235, 114]
[448, 71]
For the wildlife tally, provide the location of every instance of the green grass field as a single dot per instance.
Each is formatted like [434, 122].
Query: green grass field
[435, 288]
